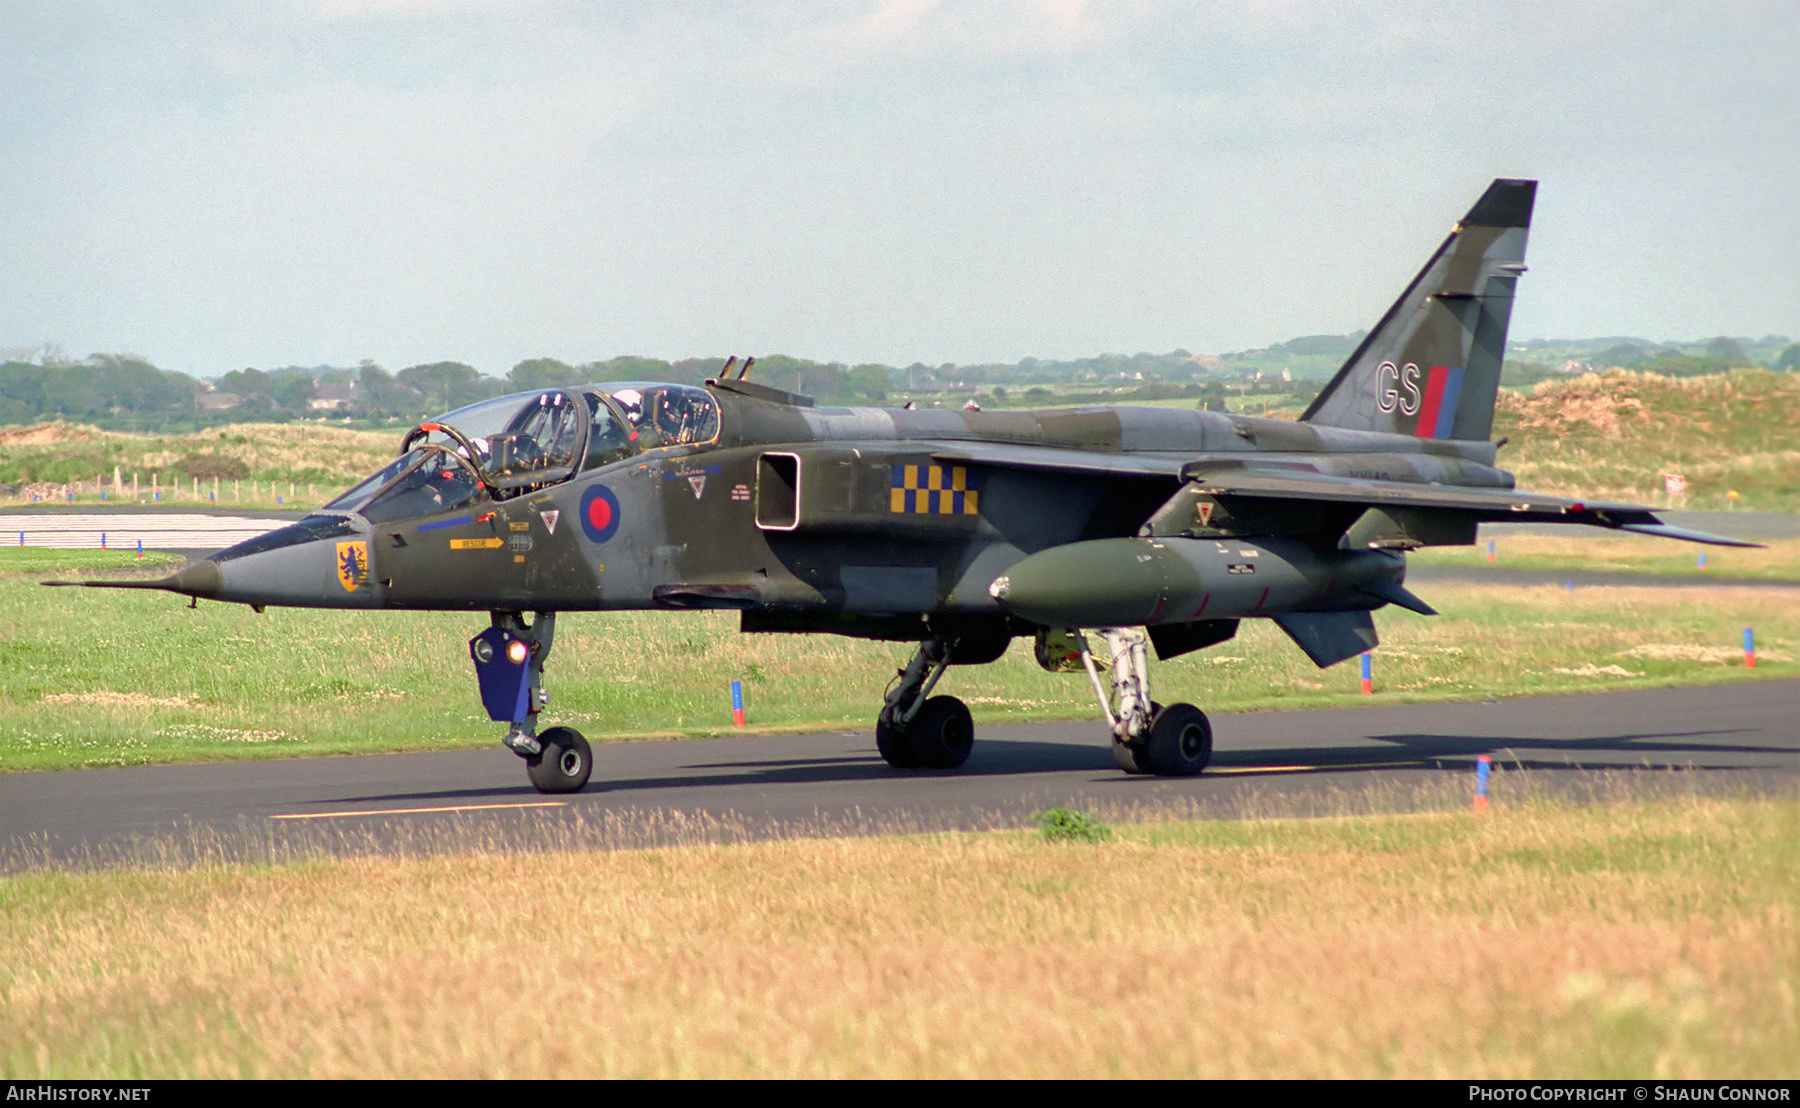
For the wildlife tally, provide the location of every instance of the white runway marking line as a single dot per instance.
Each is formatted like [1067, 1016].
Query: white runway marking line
[415, 811]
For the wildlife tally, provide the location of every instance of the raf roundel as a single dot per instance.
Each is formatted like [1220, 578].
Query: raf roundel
[599, 513]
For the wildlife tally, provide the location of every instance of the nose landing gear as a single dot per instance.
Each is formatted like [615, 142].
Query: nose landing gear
[563, 765]
[509, 665]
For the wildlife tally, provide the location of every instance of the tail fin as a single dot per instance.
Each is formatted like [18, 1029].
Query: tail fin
[1431, 367]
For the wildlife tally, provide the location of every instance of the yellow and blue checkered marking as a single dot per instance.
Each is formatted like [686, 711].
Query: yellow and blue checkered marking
[934, 490]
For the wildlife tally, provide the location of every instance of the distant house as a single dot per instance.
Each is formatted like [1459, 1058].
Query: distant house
[219, 401]
[332, 398]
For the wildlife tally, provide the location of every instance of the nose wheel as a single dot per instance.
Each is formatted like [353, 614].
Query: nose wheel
[939, 737]
[563, 765]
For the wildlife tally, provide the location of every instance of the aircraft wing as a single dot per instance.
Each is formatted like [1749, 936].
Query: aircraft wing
[1489, 505]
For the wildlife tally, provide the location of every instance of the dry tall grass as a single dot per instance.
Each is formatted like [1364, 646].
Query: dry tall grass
[1648, 940]
[306, 463]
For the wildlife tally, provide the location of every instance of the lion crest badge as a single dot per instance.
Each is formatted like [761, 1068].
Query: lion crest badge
[352, 564]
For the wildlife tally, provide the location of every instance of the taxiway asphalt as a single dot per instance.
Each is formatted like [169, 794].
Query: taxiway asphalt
[1732, 738]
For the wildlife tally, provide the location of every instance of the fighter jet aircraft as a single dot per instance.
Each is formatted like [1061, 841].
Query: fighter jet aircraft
[1143, 528]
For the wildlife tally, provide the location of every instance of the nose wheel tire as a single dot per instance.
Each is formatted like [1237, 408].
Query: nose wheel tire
[1179, 743]
[564, 764]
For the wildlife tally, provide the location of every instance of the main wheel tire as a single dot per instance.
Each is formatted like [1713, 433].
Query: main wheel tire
[1130, 756]
[564, 763]
[1179, 743]
[942, 733]
[895, 745]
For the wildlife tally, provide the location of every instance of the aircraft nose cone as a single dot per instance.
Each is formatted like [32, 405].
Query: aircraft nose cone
[201, 579]
[320, 562]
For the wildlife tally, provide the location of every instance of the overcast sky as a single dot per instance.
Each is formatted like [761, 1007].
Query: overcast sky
[221, 185]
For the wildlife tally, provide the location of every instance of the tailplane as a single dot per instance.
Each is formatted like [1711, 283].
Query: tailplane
[1431, 367]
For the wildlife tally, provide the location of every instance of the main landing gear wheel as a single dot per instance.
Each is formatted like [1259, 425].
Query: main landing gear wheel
[913, 732]
[1179, 743]
[942, 733]
[895, 745]
[564, 764]
[939, 737]
[1173, 741]
[1130, 756]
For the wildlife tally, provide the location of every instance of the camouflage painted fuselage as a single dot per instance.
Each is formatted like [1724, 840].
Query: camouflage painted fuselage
[860, 512]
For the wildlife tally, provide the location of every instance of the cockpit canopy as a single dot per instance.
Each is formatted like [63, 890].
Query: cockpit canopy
[513, 444]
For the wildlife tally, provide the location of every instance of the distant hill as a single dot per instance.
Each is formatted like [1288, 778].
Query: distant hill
[1544, 359]
[1611, 435]
[1616, 434]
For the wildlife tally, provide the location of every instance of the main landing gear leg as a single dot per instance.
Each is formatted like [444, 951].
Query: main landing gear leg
[914, 732]
[509, 663]
[1171, 741]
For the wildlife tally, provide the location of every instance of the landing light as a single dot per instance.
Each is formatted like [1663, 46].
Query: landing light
[517, 652]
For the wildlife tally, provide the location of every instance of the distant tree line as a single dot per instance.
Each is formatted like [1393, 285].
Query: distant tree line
[103, 386]
[1700, 359]
[126, 391]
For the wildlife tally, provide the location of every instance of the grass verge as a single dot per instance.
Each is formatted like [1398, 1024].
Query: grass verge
[1650, 939]
[1774, 560]
[92, 678]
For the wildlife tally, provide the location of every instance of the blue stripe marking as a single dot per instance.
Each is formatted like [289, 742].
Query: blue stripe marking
[1446, 417]
[454, 521]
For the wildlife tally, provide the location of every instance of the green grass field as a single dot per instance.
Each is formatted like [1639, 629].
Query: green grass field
[92, 678]
[247, 465]
[1648, 938]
